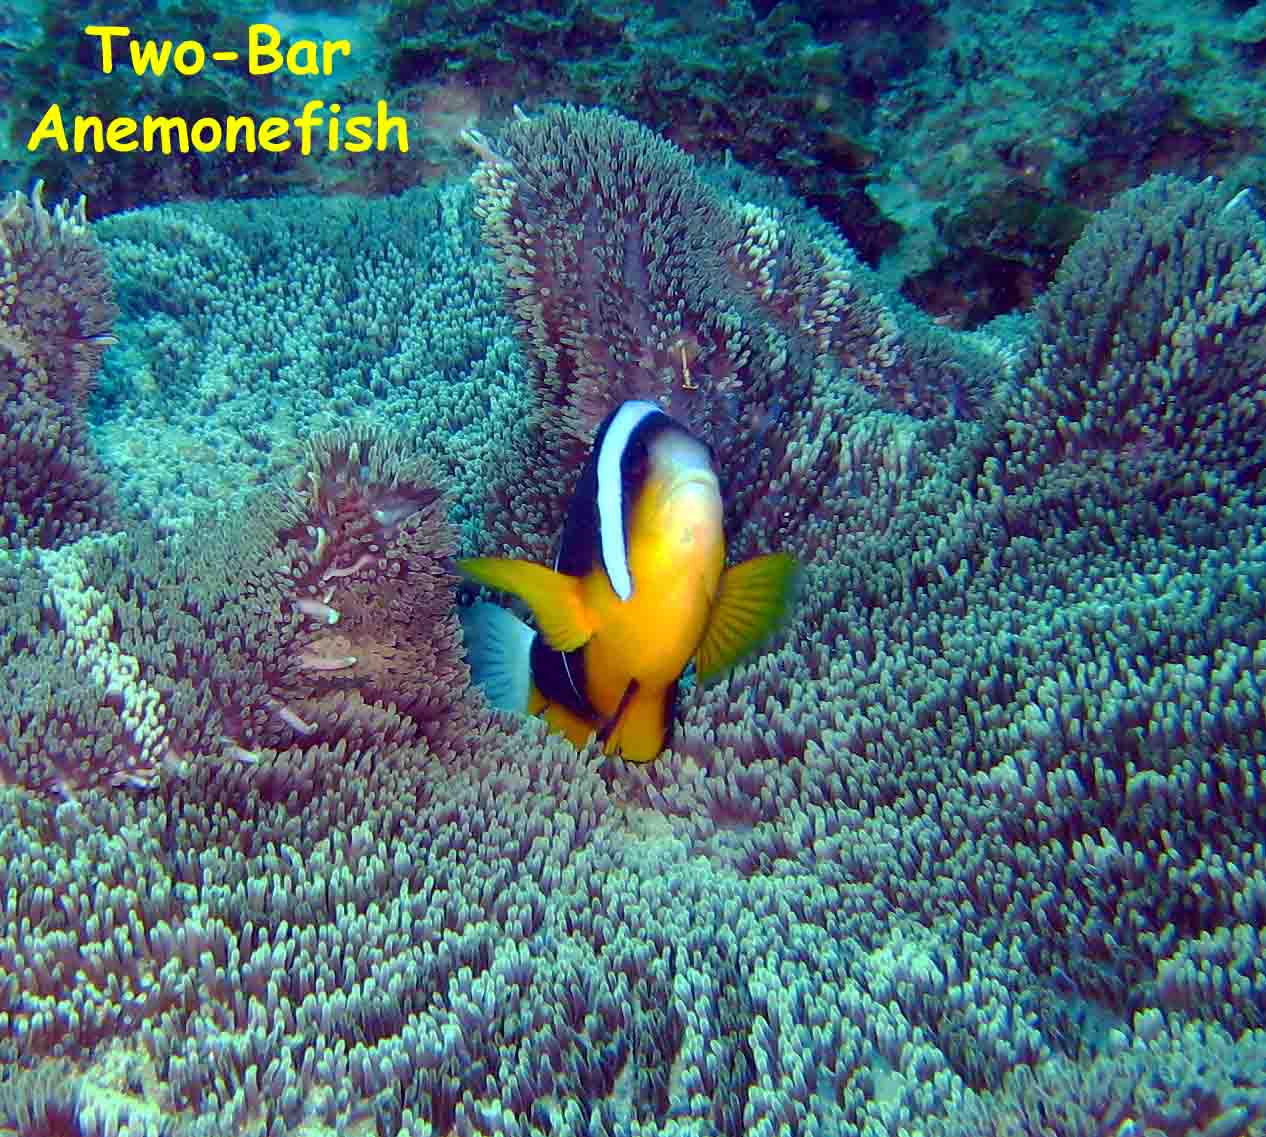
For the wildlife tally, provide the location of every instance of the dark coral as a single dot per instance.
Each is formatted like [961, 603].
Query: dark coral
[56, 312]
[1152, 340]
[1196, 1083]
[633, 277]
[322, 617]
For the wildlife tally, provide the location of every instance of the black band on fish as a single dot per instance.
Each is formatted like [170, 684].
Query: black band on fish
[561, 678]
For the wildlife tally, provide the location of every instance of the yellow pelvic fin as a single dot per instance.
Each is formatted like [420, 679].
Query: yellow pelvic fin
[555, 599]
[751, 602]
[637, 735]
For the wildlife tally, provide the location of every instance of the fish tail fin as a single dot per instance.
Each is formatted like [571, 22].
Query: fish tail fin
[499, 648]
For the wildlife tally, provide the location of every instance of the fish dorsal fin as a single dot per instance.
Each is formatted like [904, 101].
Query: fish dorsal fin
[752, 601]
[555, 598]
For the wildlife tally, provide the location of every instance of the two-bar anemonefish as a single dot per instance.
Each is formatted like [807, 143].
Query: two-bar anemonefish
[638, 589]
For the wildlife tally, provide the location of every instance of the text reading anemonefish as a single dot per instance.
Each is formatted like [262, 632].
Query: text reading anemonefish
[318, 124]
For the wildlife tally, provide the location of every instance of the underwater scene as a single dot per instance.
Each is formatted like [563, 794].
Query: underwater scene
[630, 568]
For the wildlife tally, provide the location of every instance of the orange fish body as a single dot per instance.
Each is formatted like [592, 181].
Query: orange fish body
[638, 590]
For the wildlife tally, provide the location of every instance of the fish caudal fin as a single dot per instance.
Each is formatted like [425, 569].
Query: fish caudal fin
[751, 603]
[555, 598]
[499, 648]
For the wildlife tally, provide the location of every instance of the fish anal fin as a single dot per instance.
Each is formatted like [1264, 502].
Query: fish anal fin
[752, 602]
[556, 599]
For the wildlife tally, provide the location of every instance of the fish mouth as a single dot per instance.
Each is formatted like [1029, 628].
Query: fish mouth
[687, 492]
[700, 477]
[692, 482]
[691, 506]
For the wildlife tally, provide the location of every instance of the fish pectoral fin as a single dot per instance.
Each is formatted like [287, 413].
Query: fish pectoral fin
[555, 598]
[752, 602]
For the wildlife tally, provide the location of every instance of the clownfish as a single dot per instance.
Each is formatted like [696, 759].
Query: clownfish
[638, 590]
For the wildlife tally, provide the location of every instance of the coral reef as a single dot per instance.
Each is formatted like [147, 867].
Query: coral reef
[974, 846]
[324, 613]
[231, 357]
[55, 317]
[632, 277]
[961, 147]
[1193, 1081]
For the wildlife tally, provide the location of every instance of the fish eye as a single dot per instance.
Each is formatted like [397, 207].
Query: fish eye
[637, 458]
